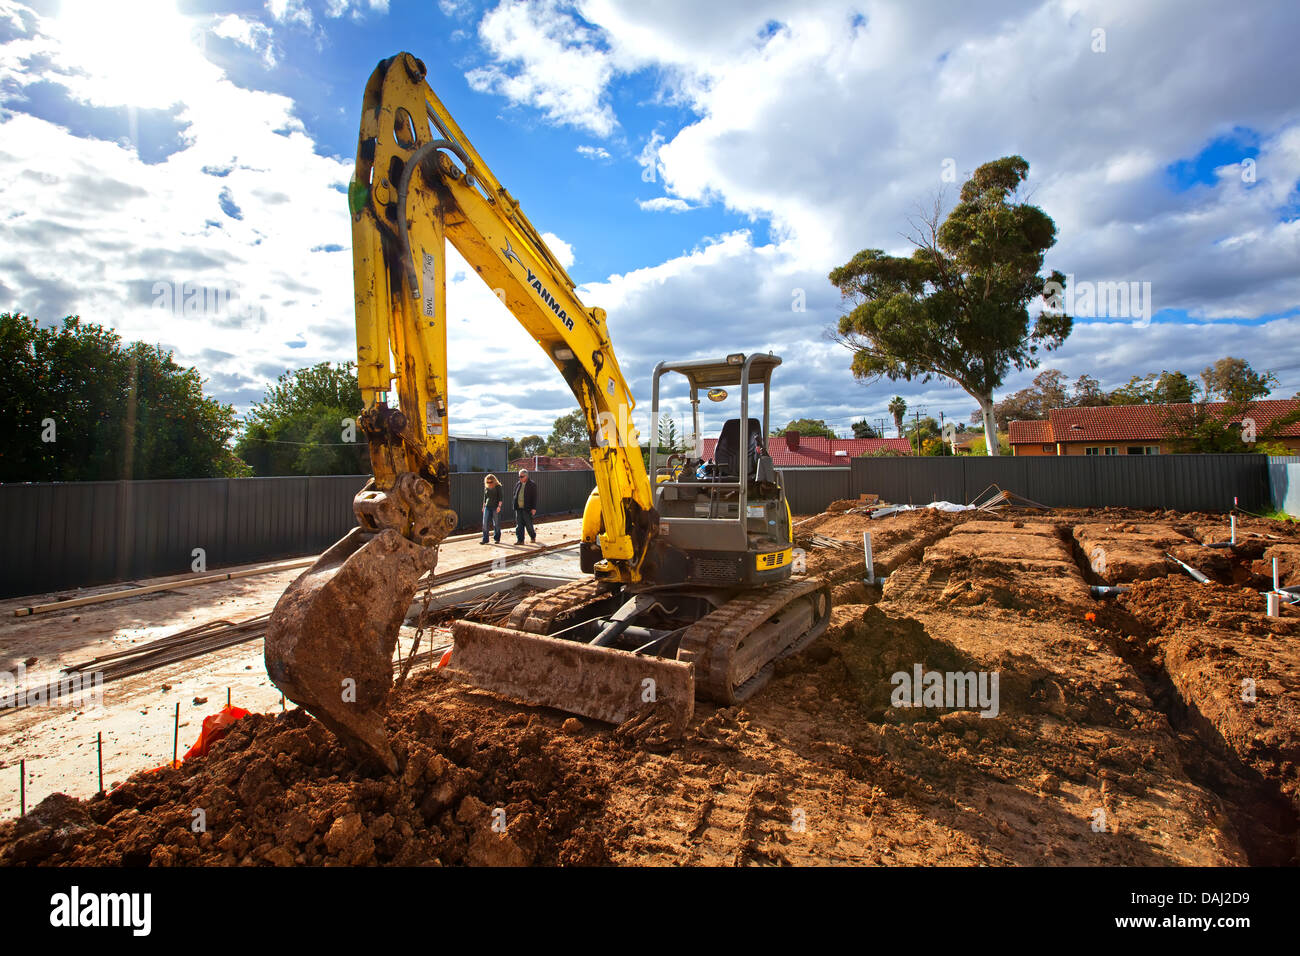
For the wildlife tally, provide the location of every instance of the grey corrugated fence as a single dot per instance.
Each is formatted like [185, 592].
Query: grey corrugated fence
[78, 534]
[1178, 482]
[66, 535]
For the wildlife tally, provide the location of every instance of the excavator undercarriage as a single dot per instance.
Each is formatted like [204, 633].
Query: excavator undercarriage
[608, 654]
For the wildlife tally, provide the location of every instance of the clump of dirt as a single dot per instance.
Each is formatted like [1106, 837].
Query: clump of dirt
[480, 783]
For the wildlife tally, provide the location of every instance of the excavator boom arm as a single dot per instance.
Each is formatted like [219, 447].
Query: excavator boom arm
[418, 184]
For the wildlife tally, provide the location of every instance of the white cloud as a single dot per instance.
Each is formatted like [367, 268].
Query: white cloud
[291, 11]
[593, 152]
[356, 8]
[249, 34]
[559, 67]
[562, 251]
[664, 204]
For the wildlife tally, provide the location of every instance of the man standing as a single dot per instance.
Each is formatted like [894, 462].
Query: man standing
[525, 507]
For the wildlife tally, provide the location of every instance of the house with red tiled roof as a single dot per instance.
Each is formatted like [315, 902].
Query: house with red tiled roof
[793, 450]
[1130, 429]
[551, 463]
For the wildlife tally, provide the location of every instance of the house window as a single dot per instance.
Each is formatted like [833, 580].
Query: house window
[1090, 451]
[1135, 450]
[1047, 449]
[1153, 449]
[1111, 450]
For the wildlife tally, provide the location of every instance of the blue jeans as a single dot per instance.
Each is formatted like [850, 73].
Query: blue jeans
[491, 520]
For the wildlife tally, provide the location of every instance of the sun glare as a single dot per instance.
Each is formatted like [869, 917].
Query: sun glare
[141, 54]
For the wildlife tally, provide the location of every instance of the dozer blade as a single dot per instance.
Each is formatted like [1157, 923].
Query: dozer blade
[597, 682]
[329, 645]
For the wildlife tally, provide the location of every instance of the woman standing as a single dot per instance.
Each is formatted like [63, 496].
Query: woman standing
[492, 497]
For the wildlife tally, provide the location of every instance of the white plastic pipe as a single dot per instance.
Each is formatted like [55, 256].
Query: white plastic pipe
[1275, 574]
[1274, 604]
[866, 551]
[1234, 529]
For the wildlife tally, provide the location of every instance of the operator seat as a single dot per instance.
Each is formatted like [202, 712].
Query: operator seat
[727, 460]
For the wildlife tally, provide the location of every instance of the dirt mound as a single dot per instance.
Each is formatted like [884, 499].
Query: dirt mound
[1168, 603]
[282, 790]
[1128, 551]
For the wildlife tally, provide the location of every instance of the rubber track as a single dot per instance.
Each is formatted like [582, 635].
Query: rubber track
[710, 641]
[538, 613]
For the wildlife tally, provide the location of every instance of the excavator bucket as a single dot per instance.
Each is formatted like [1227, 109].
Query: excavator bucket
[597, 682]
[329, 645]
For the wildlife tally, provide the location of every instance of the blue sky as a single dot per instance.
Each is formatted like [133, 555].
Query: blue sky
[168, 141]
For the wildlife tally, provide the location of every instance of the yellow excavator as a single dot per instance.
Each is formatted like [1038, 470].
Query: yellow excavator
[690, 590]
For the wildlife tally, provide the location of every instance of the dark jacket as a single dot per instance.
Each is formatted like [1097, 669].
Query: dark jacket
[492, 497]
[530, 495]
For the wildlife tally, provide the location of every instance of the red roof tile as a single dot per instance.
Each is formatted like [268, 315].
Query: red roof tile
[1029, 432]
[820, 452]
[1124, 423]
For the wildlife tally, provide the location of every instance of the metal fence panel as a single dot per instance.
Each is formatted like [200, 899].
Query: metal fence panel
[886, 477]
[811, 490]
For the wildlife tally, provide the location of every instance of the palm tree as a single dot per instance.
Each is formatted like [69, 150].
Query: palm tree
[898, 408]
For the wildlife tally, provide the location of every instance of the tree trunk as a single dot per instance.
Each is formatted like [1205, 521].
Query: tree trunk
[991, 446]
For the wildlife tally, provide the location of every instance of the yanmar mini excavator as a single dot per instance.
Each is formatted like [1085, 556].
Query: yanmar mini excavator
[690, 589]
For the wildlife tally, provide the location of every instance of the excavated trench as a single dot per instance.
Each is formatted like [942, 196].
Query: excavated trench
[1267, 823]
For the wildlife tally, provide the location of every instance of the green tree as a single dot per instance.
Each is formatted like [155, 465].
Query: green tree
[1167, 388]
[306, 424]
[898, 408]
[958, 306]
[1050, 389]
[82, 406]
[920, 431]
[979, 446]
[1175, 387]
[863, 429]
[812, 427]
[526, 447]
[1233, 380]
[669, 435]
[569, 436]
[1087, 393]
